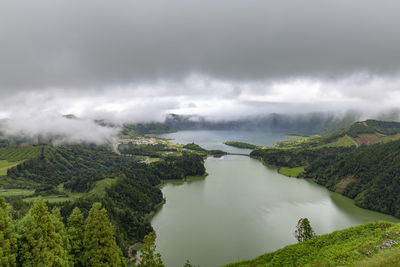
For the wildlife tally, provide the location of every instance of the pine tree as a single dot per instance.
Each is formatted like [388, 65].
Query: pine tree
[100, 247]
[8, 241]
[75, 235]
[61, 230]
[41, 241]
[148, 255]
[304, 230]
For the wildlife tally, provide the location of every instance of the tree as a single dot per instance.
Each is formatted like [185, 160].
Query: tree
[8, 241]
[100, 247]
[304, 230]
[189, 264]
[148, 255]
[75, 235]
[60, 228]
[42, 240]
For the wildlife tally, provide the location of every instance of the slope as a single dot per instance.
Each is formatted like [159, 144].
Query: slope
[370, 244]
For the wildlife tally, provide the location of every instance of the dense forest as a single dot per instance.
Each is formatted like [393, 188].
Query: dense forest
[130, 197]
[369, 172]
[240, 144]
[140, 129]
[41, 238]
[150, 150]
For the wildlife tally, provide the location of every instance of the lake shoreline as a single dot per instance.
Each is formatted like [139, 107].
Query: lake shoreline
[247, 203]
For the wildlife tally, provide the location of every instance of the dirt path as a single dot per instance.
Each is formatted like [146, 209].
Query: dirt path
[352, 140]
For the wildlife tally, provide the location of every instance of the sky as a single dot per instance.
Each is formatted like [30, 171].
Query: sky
[130, 60]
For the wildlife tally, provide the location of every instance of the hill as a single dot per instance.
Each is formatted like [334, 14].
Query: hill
[79, 175]
[371, 244]
[360, 133]
[367, 169]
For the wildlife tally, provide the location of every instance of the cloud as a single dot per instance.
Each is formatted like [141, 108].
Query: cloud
[58, 129]
[210, 97]
[135, 61]
[101, 44]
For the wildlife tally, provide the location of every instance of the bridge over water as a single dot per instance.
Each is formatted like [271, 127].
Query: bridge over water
[238, 154]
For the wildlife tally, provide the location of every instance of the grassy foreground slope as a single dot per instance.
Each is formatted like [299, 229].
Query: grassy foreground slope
[370, 244]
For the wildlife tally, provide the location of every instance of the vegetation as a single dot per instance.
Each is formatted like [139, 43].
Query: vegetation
[40, 238]
[8, 237]
[301, 137]
[204, 152]
[148, 256]
[361, 162]
[140, 129]
[304, 230]
[240, 144]
[71, 177]
[151, 150]
[5, 165]
[366, 132]
[161, 149]
[99, 247]
[368, 173]
[14, 154]
[291, 172]
[371, 244]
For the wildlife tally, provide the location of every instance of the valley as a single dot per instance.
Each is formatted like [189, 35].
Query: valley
[174, 181]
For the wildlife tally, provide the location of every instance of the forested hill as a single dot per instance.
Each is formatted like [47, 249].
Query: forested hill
[80, 175]
[361, 162]
[370, 174]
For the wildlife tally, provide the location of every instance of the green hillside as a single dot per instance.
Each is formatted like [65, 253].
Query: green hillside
[371, 244]
[366, 132]
[369, 172]
[12, 156]
[77, 176]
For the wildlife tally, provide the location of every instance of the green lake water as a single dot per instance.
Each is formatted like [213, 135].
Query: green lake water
[242, 208]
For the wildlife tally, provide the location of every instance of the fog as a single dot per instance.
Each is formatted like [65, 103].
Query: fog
[58, 129]
[138, 61]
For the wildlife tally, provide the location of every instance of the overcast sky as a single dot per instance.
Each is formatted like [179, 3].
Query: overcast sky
[139, 60]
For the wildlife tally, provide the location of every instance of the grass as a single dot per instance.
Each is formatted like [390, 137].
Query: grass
[362, 245]
[50, 199]
[344, 141]
[14, 154]
[291, 172]
[20, 182]
[300, 137]
[99, 189]
[17, 192]
[389, 258]
[5, 165]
